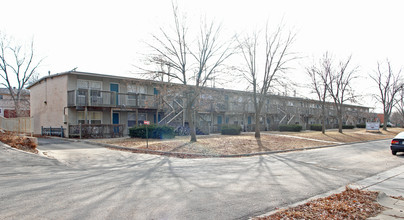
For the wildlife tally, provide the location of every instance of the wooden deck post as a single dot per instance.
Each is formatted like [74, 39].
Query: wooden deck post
[85, 115]
[137, 117]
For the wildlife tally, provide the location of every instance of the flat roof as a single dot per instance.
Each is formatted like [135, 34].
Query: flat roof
[169, 83]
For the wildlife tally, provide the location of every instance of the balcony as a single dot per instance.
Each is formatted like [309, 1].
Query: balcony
[98, 98]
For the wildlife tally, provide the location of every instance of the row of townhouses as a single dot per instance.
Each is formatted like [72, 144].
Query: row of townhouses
[107, 105]
[7, 105]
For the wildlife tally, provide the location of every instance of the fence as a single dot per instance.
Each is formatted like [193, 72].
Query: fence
[55, 131]
[96, 130]
[20, 124]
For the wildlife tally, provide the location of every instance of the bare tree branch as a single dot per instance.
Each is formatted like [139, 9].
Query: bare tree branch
[340, 87]
[389, 85]
[17, 65]
[189, 64]
[275, 58]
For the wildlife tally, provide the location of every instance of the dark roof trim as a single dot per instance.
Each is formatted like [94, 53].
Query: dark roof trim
[165, 83]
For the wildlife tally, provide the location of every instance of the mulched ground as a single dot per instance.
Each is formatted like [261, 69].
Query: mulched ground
[215, 145]
[20, 142]
[353, 135]
[349, 204]
[218, 144]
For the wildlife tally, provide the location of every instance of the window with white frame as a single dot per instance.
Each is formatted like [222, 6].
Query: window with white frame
[131, 119]
[93, 117]
[94, 86]
[139, 89]
[132, 88]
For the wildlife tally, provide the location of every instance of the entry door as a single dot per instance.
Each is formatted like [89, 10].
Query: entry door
[115, 88]
[219, 120]
[115, 121]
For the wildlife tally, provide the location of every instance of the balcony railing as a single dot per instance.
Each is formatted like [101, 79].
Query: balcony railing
[96, 130]
[98, 98]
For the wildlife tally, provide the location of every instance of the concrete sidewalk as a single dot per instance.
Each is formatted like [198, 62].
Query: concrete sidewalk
[389, 183]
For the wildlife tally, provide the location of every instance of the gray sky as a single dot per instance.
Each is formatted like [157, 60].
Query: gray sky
[108, 36]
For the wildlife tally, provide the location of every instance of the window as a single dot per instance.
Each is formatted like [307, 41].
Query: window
[93, 117]
[206, 96]
[96, 93]
[141, 118]
[94, 86]
[82, 84]
[137, 89]
[131, 95]
[131, 119]
[1, 96]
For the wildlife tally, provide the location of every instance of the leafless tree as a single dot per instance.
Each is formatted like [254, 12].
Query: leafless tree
[397, 119]
[320, 79]
[340, 87]
[389, 85]
[189, 64]
[18, 65]
[400, 106]
[274, 55]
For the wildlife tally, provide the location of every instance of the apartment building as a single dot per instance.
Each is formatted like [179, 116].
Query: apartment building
[106, 106]
[7, 105]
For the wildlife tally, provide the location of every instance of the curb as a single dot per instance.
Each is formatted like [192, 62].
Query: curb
[190, 155]
[23, 151]
[362, 184]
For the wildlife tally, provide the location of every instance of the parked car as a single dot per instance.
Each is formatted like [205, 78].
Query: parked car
[397, 144]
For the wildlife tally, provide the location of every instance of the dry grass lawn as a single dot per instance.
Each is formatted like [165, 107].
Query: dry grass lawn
[247, 143]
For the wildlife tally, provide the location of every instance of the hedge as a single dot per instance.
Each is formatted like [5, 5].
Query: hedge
[348, 126]
[154, 131]
[316, 127]
[231, 129]
[361, 125]
[290, 127]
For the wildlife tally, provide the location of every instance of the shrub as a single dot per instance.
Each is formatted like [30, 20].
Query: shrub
[316, 127]
[163, 132]
[231, 129]
[154, 131]
[290, 127]
[20, 142]
[361, 125]
[388, 125]
[348, 126]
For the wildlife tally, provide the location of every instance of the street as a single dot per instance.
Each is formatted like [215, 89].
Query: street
[83, 181]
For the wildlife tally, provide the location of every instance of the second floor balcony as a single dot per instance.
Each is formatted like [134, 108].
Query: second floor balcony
[99, 98]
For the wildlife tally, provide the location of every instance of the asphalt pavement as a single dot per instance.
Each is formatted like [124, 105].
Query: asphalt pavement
[83, 181]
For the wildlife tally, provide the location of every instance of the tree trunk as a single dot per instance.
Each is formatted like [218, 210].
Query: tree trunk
[386, 120]
[323, 119]
[17, 108]
[191, 123]
[340, 122]
[257, 126]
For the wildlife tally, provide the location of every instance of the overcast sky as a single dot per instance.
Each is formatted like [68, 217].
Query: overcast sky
[108, 36]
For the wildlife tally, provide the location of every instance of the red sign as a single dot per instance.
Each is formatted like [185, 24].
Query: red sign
[146, 122]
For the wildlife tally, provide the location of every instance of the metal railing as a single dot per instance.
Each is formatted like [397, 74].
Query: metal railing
[98, 98]
[96, 130]
[55, 131]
